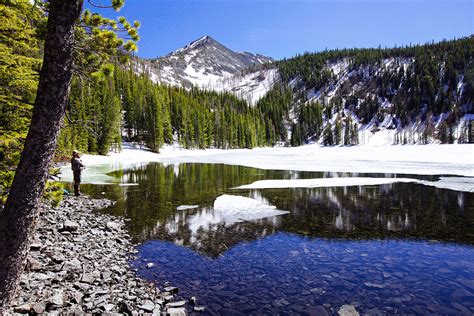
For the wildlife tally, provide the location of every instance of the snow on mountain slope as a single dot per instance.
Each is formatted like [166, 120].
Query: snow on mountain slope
[250, 87]
[207, 64]
[368, 94]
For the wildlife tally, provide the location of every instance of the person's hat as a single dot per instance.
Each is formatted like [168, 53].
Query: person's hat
[75, 152]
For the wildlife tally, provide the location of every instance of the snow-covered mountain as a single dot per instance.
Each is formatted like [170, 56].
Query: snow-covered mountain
[403, 95]
[207, 64]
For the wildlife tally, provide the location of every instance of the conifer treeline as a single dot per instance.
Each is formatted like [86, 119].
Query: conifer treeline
[154, 115]
[430, 85]
[157, 114]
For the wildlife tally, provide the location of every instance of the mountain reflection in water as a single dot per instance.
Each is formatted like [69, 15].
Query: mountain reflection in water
[399, 210]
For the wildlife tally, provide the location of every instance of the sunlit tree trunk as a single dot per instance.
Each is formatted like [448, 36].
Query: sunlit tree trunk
[18, 219]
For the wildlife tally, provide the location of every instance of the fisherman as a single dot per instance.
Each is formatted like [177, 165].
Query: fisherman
[76, 166]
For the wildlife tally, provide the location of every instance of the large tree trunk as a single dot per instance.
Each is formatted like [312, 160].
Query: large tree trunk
[17, 221]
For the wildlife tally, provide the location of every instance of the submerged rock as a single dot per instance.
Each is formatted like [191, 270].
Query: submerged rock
[348, 310]
[199, 308]
[150, 265]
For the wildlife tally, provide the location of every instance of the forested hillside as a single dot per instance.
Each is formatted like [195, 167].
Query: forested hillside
[422, 93]
[133, 107]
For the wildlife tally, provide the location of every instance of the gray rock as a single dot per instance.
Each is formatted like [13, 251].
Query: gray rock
[199, 308]
[109, 307]
[171, 289]
[41, 276]
[78, 297]
[374, 285]
[88, 306]
[281, 302]
[176, 311]
[114, 225]
[22, 309]
[87, 278]
[147, 307]
[124, 308]
[177, 304]
[34, 265]
[95, 231]
[39, 307]
[58, 298]
[58, 258]
[150, 265]
[35, 246]
[348, 310]
[72, 265]
[70, 226]
[106, 275]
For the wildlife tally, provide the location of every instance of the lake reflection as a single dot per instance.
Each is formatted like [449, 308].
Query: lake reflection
[373, 246]
[399, 210]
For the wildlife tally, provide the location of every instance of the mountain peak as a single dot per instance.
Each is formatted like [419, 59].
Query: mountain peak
[204, 63]
[201, 42]
[205, 40]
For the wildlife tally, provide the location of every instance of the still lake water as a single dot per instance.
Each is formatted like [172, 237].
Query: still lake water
[393, 248]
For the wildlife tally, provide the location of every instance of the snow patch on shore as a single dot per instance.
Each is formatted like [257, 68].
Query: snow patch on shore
[186, 207]
[464, 184]
[322, 182]
[453, 160]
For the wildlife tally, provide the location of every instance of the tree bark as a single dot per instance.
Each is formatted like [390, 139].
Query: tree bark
[18, 218]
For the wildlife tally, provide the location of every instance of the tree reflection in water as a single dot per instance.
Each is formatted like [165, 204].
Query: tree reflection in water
[399, 210]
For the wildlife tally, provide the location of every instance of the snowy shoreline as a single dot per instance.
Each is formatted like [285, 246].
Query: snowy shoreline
[445, 160]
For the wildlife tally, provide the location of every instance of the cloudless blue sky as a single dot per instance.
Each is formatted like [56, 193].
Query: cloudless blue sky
[284, 28]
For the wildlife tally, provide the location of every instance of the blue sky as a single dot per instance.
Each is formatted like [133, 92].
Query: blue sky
[284, 28]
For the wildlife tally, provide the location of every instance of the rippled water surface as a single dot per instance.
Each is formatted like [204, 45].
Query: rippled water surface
[392, 248]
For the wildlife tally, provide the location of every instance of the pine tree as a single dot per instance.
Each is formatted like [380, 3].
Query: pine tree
[20, 213]
[347, 131]
[328, 137]
[337, 132]
[443, 133]
[355, 135]
[19, 66]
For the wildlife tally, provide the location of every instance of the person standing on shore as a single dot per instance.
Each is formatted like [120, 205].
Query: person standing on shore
[77, 166]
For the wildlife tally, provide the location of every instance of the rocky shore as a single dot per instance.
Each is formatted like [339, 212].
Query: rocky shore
[78, 263]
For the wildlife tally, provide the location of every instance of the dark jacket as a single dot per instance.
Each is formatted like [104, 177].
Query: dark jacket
[76, 164]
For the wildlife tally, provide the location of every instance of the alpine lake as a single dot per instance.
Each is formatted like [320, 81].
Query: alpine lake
[384, 249]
